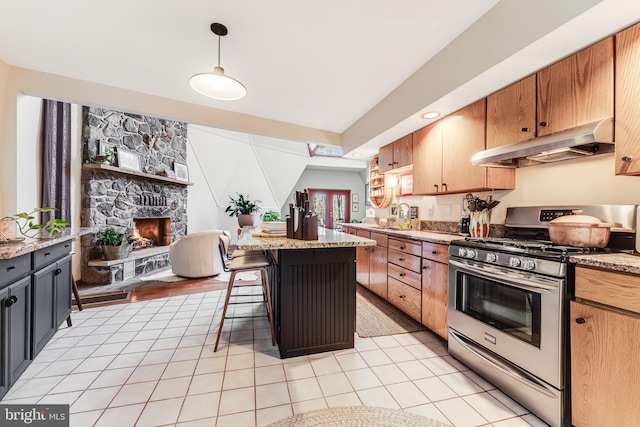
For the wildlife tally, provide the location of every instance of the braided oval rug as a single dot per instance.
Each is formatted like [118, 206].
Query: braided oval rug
[358, 416]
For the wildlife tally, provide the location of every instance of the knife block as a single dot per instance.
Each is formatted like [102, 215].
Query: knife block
[307, 228]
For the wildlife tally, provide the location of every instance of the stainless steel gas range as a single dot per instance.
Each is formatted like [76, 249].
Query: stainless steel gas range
[508, 304]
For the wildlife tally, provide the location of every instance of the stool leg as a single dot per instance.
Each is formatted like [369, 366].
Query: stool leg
[76, 295]
[265, 285]
[224, 310]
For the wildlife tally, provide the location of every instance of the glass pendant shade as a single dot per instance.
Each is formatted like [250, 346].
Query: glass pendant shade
[218, 85]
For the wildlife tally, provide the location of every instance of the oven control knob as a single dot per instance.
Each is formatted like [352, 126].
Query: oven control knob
[514, 262]
[471, 253]
[528, 264]
[491, 257]
[462, 252]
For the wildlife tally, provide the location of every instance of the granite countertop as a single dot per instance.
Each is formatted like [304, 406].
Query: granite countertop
[326, 239]
[431, 236]
[12, 250]
[624, 262]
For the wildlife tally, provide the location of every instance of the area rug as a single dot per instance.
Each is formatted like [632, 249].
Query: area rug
[376, 317]
[352, 416]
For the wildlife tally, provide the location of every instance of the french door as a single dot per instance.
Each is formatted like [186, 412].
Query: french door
[332, 206]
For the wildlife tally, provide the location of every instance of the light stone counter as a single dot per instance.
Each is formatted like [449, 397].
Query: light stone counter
[431, 236]
[624, 262]
[326, 239]
[12, 250]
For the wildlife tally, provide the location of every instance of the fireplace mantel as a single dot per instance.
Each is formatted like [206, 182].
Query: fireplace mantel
[134, 173]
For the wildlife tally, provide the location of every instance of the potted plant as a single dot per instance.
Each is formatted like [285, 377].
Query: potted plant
[270, 216]
[23, 222]
[115, 245]
[244, 209]
[107, 158]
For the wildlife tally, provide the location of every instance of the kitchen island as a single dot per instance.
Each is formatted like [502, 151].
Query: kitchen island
[313, 289]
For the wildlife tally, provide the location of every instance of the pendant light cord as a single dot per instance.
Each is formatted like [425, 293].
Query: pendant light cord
[218, 51]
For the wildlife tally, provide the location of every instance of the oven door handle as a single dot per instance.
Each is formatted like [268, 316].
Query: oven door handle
[517, 375]
[520, 283]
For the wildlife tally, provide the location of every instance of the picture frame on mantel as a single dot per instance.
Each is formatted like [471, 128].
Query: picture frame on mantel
[182, 172]
[129, 160]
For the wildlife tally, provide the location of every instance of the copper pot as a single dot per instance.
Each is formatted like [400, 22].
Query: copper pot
[580, 230]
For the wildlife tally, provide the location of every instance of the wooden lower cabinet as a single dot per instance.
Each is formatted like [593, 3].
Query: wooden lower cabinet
[378, 270]
[362, 259]
[605, 365]
[435, 276]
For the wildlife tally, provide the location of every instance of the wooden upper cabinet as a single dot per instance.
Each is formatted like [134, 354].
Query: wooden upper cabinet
[511, 113]
[627, 123]
[427, 159]
[398, 154]
[463, 135]
[577, 90]
[442, 155]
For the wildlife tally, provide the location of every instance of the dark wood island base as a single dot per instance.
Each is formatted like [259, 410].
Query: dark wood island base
[313, 290]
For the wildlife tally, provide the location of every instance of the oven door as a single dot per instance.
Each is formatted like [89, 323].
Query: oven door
[514, 314]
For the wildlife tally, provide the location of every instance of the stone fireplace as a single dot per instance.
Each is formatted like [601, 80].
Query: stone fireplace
[152, 204]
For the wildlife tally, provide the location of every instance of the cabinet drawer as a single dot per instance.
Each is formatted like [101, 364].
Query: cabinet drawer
[617, 290]
[363, 233]
[14, 268]
[405, 298]
[405, 260]
[404, 246]
[436, 252]
[52, 253]
[404, 275]
[380, 238]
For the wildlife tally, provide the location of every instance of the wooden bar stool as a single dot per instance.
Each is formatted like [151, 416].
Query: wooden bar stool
[248, 263]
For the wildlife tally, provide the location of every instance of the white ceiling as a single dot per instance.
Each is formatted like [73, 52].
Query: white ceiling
[323, 64]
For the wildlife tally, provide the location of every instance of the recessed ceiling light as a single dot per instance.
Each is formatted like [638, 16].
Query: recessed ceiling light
[357, 154]
[430, 115]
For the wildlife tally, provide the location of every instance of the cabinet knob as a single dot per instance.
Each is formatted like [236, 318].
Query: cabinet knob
[434, 252]
[400, 259]
[10, 301]
[625, 158]
[425, 267]
[543, 123]
[401, 274]
[402, 248]
[581, 320]
[525, 129]
[402, 296]
[57, 271]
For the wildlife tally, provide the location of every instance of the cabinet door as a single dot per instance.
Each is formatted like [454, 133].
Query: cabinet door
[63, 291]
[4, 331]
[19, 315]
[605, 361]
[577, 90]
[44, 318]
[385, 158]
[378, 271]
[403, 152]
[627, 123]
[463, 135]
[511, 113]
[435, 277]
[427, 159]
[362, 260]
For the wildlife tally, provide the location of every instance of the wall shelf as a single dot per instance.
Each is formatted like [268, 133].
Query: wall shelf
[134, 173]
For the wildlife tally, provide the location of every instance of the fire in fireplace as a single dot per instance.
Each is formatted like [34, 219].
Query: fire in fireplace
[150, 232]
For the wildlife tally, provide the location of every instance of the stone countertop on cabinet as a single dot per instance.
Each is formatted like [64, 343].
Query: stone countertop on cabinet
[623, 262]
[430, 236]
[12, 250]
[326, 239]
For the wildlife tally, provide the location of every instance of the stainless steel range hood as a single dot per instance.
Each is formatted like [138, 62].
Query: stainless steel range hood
[586, 140]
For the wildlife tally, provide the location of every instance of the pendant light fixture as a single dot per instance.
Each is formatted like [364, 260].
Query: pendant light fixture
[217, 84]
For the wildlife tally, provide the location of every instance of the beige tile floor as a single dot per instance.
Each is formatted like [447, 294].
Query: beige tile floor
[152, 364]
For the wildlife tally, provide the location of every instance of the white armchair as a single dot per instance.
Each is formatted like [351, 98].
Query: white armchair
[198, 254]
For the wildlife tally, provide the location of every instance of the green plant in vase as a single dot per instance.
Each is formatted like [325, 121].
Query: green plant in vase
[244, 209]
[114, 244]
[270, 216]
[27, 227]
